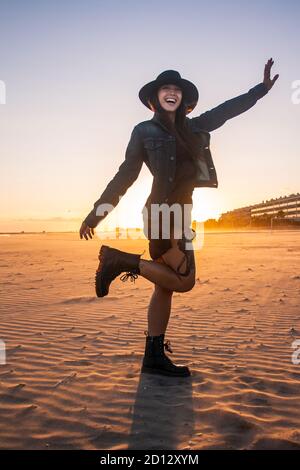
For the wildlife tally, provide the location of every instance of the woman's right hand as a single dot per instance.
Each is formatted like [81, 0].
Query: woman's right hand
[267, 78]
[86, 231]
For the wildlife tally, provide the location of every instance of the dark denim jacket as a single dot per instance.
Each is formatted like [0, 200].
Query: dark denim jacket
[151, 143]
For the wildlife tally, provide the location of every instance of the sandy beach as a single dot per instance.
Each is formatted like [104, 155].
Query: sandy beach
[72, 374]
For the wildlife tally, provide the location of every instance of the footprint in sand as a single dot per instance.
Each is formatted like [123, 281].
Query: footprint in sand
[263, 346]
[193, 337]
[82, 362]
[205, 281]
[66, 380]
[242, 310]
[9, 372]
[80, 336]
[28, 409]
[188, 309]
[229, 351]
[17, 387]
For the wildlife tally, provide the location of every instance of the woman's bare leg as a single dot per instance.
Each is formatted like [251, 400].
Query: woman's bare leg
[159, 310]
[164, 275]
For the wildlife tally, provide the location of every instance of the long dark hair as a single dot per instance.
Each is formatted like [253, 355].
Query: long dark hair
[179, 129]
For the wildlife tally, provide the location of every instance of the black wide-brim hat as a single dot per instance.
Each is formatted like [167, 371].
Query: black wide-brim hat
[190, 93]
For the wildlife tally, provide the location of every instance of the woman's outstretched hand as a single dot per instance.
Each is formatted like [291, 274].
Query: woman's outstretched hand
[267, 79]
[86, 231]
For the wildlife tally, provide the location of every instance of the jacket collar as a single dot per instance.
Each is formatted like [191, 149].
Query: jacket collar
[156, 119]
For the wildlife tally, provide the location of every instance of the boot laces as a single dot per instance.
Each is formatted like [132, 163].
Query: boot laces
[126, 276]
[167, 346]
[133, 276]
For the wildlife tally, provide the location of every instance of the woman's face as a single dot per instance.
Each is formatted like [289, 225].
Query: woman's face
[169, 97]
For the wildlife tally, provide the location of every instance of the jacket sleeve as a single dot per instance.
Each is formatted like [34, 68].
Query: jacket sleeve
[216, 117]
[127, 173]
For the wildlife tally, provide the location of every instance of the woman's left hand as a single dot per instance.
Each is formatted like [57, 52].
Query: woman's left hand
[267, 79]
[86, 231]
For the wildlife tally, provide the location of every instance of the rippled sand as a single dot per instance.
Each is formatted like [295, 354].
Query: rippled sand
[72, 377]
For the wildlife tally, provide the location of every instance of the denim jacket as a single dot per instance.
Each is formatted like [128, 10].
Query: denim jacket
[151, 143]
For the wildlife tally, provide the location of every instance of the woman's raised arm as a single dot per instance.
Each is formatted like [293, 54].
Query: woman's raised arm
[216, 117]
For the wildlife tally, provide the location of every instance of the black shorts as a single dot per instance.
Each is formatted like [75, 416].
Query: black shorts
[162, 243]
[158, 247]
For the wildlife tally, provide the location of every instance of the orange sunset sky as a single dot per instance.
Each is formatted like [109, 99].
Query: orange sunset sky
[72, 76]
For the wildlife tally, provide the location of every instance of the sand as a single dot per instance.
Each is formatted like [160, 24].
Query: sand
[72, 378]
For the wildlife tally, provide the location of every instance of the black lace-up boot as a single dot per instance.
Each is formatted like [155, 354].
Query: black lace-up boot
[156, 362]
[112, 263]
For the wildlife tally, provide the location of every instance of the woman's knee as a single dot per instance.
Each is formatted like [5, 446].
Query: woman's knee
[186, 283]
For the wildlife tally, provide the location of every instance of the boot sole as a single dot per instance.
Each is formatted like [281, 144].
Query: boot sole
[100, 292]
[150, 370]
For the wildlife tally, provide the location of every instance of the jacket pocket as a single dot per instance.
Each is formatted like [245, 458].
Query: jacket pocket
[155, 152]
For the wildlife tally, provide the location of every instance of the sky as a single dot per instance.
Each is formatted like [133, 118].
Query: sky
[71, 72]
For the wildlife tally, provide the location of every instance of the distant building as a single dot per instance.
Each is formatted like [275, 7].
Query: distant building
[286, 206]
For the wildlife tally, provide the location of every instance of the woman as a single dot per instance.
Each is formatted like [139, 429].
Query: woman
[169, 144]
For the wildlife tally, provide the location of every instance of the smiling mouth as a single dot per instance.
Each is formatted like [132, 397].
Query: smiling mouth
[170, 100]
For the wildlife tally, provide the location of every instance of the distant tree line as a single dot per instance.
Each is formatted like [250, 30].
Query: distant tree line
[244, 220]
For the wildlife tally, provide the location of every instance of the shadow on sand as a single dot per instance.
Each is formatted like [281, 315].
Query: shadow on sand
[163, 416]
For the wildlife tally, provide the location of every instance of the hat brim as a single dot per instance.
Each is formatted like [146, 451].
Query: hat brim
[189, 90]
